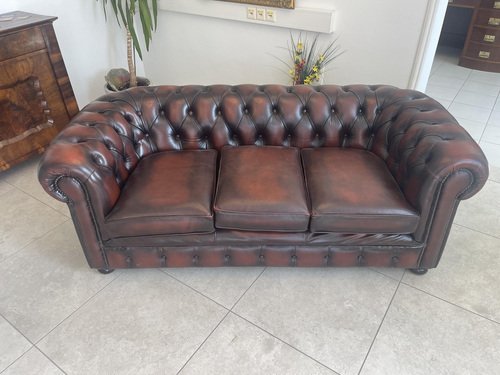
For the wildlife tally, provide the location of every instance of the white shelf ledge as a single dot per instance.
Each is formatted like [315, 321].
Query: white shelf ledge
[308, 19]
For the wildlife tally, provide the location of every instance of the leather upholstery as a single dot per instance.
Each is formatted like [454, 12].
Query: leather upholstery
[167, 193]
[432, 159]
[261, 189]
[352, 191]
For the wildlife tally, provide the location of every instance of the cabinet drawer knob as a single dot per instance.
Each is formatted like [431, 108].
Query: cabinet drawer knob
[489, 38]
[484, 54]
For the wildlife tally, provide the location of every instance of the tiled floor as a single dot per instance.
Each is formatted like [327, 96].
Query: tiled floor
[57, 316]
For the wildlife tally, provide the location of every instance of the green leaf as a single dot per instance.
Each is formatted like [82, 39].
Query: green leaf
[146, 21]
[131, 29]
[155, 12]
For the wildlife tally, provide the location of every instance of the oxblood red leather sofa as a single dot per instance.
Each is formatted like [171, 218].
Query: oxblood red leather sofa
[263, 175]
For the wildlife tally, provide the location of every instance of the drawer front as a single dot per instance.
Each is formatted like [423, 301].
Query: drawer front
[21, 43]
[483, 52]
[31, 106]
[485, 35]
[491, 4]
[486, 17]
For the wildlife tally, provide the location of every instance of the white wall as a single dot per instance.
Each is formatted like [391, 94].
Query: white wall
[89, 45]
[380, 38]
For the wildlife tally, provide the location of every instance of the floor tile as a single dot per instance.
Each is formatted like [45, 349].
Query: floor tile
[5, 187]
[224, 285]
[494, 118]
[492, 152]
[46, 282]
[481, 88]
[12, 344]
[24, 219]
[475, 99]
[482, 211]
[469, 112]
[145, 322]
[424, 335]
[474, 128]
[33, 362]
[330, 314]
[467, 274]
[24, 177]
[485, 77]
[455, 71]
[452, 82]
[394, 273]
[249, 350]
[441, 92]
[492, 134]
[445, 103]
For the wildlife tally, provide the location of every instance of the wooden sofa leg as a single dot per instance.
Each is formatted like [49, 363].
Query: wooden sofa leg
[105, 271]
[419, 271]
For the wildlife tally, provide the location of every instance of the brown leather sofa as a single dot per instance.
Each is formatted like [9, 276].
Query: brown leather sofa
[263, 175]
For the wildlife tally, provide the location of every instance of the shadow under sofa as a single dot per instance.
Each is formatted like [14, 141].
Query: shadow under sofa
[248, 175]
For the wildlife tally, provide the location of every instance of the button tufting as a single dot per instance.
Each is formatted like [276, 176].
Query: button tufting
[190, 112]
[304, 110]
[245, 110]
[139, 113]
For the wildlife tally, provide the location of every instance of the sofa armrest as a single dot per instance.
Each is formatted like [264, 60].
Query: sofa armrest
[435, 162]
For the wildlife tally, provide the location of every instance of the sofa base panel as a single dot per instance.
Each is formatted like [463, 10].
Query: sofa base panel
[275, 256]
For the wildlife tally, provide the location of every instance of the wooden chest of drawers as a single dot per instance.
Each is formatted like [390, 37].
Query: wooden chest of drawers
[36, 97]
[482, 46]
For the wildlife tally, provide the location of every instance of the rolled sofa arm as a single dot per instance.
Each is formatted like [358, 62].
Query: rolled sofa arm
[84, 167]
[434, 160]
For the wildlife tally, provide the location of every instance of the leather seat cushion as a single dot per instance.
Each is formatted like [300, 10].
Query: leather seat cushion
[167, 193]
[261, 189]
[352, 191]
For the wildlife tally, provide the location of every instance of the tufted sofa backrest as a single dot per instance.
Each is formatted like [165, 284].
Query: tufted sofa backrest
[144, 120]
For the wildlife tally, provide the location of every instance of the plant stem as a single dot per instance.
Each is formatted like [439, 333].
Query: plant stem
[130, 59]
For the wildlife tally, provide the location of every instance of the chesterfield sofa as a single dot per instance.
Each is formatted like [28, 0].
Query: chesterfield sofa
[269, 175]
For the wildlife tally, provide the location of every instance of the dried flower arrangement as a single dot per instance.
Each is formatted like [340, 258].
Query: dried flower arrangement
[309, 60]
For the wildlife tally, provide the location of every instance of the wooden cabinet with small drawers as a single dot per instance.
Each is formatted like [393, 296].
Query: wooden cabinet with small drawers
[36, 97]
[482, 46]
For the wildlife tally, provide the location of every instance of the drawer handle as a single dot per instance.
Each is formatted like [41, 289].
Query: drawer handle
[496, 5]
[494, 21]
[484, 54]
[489, 38]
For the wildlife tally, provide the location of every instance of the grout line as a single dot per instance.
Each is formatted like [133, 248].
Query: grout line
[378, 329]
[477, 231]
[451, 303]
[489, 117]
[24, 336]
[85, 303]
[43, 235]
[245, 292]
[204, 341]
[165, 272]
[284, 342]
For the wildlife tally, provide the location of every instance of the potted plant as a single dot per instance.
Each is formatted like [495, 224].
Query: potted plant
[125, 12]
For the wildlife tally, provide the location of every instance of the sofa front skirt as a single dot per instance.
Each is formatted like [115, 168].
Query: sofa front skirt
[239, 248]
